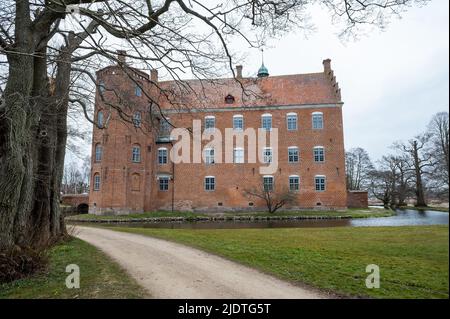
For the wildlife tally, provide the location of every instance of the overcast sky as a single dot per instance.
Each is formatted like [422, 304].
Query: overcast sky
[392, 82]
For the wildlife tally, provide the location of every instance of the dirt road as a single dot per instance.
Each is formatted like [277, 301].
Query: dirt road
[170, 270]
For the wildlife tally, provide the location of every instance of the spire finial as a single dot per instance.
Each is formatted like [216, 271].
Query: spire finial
[262, 72]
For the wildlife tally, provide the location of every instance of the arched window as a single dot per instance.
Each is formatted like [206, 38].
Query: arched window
[267, 155]
[238, 155]
[294, 183]
[101, 87]
[268, 183]
[210, 122]
[136, 154]
[162, 155]
[293, 154]
[98, 152]
[319, 154]
[209, 155]
[100, 119]
[238, 122]
[317, 120]
[96, 181]
[137, 90]
[291, 121]
[266, 121]
[137, 117]
[320, 183]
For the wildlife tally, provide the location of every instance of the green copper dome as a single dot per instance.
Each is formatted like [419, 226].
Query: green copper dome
[263, 72]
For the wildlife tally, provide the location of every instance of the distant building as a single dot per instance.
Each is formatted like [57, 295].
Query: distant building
[131, 167]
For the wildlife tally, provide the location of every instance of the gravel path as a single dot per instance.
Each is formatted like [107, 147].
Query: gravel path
[170, 270]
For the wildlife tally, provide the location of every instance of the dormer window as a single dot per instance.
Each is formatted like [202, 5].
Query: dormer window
[229, 99]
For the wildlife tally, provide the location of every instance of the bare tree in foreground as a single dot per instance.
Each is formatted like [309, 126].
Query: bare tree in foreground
[47, 55]
[357, 168]
[273, 199]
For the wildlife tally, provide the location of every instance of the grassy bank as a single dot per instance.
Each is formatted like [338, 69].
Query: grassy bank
[413, 261]
[349, 213]
[440, 209]
[100, 277]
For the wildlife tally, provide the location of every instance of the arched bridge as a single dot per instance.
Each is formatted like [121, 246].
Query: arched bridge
[80, 202]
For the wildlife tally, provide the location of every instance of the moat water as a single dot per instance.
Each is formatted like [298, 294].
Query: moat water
[402, 217]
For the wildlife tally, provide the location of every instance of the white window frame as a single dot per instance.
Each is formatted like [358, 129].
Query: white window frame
[208, 186]
[290, 148]
[319, 157]
[137, 118]
[209, 156]
[97, 181]
[241, 118]
[272, 182]
[166, 180]
[320, 184]
[314, 120]
[263, 118]
[100, 118]
[137, 91]
[267, 156]
[289, 116]
[291, 184]
[207, 119]
[136, 154]
[238, 155]
[98, 152]
[163, 155]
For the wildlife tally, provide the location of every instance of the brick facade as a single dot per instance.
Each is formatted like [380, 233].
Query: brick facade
[357, 199]
[125, 186]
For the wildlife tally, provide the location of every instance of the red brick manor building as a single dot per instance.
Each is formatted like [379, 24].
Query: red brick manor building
[131, 166]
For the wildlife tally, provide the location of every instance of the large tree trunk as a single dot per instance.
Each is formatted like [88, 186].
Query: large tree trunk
[420, 194]
[17, 117]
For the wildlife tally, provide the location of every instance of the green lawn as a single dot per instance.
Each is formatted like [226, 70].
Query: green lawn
[352, 213]
[100, 277]
[413, 261]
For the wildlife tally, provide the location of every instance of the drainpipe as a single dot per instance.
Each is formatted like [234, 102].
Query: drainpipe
[173, 180]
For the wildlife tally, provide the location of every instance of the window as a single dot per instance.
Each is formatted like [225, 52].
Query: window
[317, 120]
[210, 183]
[137, 90]
[98, 152]
[164, 183]
[267, 155]
[96, 182]
[162, 155]
[164, 127]
[100, 119]
[268, 183]
[294, 183]
[238, 155]
[238, 122]
[319, 154]
[136, 154]
[266, 122]
[210, 123]
[137, 117]
[293, 154]
[209, 155]
[291, 121]
[229, 99]
[101, 87]
[320, 183]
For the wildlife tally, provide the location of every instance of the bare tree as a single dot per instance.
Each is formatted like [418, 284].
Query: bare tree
[438, 129]
[274, 199]
[380, 186]
[51, 58]
[357, 168]
[419, 163]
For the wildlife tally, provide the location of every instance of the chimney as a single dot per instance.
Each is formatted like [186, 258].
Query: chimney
[154, 75]
[326, 66]
[239, 71]
[121, 56]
